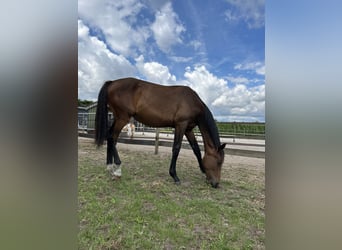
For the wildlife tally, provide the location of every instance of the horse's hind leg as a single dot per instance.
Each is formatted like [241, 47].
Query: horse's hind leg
[194, 145]
[110, 146]
[111, 150]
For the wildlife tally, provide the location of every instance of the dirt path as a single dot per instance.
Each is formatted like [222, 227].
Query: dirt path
[230, 160]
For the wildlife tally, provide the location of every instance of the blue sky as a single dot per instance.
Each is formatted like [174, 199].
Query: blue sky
[216, 48]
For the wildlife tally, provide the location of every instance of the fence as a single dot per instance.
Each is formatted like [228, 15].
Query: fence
[145, 135]
[86, 122]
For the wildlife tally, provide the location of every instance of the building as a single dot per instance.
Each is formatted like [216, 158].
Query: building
[86, 118]
[82, 117]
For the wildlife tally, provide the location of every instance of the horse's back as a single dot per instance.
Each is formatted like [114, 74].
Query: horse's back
[154, 104]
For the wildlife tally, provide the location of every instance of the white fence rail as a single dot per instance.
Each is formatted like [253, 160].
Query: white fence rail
[86, 123]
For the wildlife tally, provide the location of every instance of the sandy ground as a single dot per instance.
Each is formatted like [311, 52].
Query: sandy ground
[230, 160]
[247, 144]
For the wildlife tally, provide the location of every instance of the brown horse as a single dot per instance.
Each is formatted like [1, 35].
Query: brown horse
[159, 106]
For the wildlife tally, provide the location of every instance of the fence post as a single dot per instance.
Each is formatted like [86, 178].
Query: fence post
[156, 145]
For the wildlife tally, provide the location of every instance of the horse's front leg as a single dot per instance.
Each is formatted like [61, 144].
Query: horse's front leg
[177, 144]
[195, 148]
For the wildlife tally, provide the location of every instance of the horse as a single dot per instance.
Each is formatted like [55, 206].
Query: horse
[156, 105]
[130, 129]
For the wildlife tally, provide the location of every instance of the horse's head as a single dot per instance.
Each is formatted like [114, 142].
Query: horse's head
[212, 163]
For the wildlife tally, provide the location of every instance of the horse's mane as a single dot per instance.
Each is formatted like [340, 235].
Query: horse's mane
[211, 126]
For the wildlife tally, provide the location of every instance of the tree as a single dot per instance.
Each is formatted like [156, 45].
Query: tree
[84, 103]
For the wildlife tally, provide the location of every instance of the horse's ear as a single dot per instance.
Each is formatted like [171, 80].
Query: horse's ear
[221, 147]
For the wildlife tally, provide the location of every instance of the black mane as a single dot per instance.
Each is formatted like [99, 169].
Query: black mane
[211, 126]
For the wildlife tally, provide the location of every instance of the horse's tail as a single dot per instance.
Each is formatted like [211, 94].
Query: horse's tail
[101, 118]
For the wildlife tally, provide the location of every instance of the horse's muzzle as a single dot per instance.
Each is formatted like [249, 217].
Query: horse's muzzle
[214, 184]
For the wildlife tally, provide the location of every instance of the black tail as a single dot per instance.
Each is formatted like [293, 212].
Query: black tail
[101, 118]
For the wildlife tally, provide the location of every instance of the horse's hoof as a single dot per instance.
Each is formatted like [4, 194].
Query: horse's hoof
[177, 183]
[115, 177]
[110, 167]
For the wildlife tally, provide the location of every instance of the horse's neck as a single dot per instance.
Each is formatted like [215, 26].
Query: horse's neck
[209, 145]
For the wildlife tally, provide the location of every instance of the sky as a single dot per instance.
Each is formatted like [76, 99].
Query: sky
[215, 47]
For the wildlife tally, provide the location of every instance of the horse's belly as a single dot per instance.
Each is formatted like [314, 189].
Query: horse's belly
[155, 121]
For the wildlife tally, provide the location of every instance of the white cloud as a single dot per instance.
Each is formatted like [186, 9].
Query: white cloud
[116, 21]
[208, 86]
[196, 44]
[261, 70]
[154, 71]
[96, 64]
[157, 4]
[167, 28]
[242, 101]
[258, 67]
[237, 103]
[244, 80]
[122, 30]
[180, 59]
[238, 80]
[251, 12]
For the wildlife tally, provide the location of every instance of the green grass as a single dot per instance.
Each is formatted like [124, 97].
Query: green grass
[237, 128]
[234, 128]
[146, 210]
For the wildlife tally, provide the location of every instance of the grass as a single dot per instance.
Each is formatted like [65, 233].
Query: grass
[146, 210]
[235, 128]
[244, 128]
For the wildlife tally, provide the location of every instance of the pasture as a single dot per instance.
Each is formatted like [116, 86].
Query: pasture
[146, 210]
